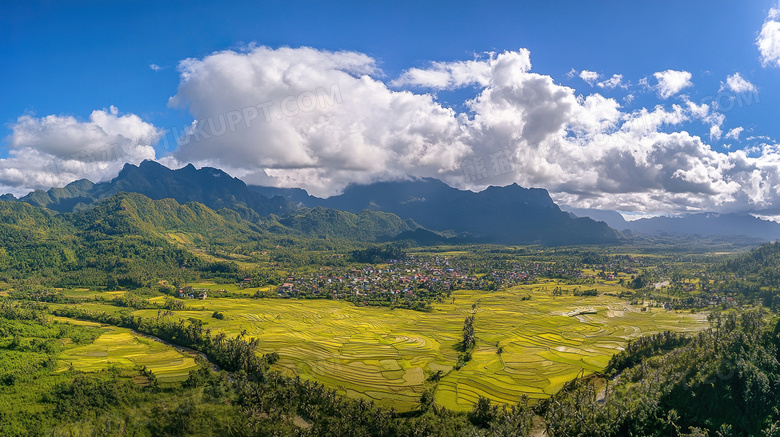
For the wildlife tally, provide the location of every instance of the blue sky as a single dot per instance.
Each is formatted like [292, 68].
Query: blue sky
[67, 59]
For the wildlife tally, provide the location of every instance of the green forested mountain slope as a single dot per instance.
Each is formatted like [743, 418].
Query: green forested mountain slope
[365, 225]
[34, 239]
[130, 239]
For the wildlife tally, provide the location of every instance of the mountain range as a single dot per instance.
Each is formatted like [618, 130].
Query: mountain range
[375, 212]
[426, 210]
[510, 214]
[209, 186]
[703, 224]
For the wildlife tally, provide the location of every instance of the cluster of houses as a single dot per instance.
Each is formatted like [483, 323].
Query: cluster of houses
[407, 278]
[193, 293]
[393, 280]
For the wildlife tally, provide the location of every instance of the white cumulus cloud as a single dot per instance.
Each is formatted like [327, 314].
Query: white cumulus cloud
[589, 76]
[313, 118]
[55, 150]
[715, 132]
[521, 127]
[449, 75]
[671, 82]
[735, 83]
[768, 40]
[734, 133]
[616, 81]
[321, 120]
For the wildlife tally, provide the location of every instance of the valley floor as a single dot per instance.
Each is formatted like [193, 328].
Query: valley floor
[389, 355]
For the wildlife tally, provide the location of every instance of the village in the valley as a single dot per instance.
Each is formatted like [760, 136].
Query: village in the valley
[415, 282]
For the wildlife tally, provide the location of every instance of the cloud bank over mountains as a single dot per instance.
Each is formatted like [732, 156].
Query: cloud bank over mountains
[321, 120]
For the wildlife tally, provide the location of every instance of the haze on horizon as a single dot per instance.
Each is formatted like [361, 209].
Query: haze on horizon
[648, 108]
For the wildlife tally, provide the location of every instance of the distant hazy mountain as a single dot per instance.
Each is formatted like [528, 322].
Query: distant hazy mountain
[709, 224]
[612, 218]
[705, 224]
[298, 196]
[510, 214]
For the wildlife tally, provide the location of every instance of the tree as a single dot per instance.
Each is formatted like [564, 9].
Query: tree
[483, 413]
[469, 340]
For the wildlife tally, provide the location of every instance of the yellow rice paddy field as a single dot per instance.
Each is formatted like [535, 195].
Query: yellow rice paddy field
[124, 348]
[387, 355]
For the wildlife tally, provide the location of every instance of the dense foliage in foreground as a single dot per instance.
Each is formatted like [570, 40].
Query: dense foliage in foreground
[724, 381]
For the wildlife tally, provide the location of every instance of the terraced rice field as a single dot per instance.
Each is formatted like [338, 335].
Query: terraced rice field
[387, 355]
[231, 288]
[126, 349]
